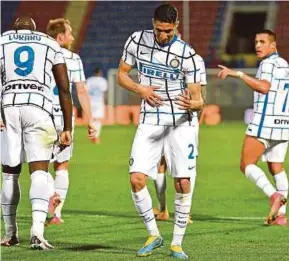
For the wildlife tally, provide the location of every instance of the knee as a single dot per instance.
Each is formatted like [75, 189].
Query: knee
[275, 168]
[137, 182]
[185, 184]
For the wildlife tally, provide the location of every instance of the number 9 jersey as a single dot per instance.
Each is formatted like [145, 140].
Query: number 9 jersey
[27, 58]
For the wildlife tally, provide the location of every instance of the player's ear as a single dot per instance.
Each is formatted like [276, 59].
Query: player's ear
[273, 45]
[177, 23]
[153, 21]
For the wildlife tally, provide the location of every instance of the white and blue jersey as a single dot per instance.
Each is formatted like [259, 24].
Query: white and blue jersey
[271, 110]
[75, 74]
[27, 58]
[170, 67]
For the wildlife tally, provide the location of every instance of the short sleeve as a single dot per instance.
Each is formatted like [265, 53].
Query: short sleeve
[129, 51]
[78, 73]
[192, 69]
[265, 71]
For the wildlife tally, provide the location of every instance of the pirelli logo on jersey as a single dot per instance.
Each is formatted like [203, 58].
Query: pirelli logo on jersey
[158, 72]
[23, 86]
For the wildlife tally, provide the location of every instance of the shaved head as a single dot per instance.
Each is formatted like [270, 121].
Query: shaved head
[25, 23]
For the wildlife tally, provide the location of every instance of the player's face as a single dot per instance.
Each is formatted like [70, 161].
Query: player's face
[68, 38]
[164, 32]
[264, 45]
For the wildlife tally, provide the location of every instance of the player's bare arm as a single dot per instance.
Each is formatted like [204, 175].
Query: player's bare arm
[261, 86]
[191, 99]
[145, 92]
[61, 79]
[85, 103]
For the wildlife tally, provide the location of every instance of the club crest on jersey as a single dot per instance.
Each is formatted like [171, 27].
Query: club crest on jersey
[175, 63]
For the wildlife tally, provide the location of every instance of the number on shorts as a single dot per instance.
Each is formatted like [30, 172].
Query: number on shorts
[24, 67]
[191, 155]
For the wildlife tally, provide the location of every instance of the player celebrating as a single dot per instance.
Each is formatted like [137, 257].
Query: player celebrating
[268, 132]
[162, 213]
[29, 60]
[61, 31]
[167, 70]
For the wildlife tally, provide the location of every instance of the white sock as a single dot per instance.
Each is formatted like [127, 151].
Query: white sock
[10, 197]
[39, 197]
[50, 182]
[61, 186]
[182, 211]
[143, 203]
[98, 126]
[281, 182]
[161, 185]
[256, 175]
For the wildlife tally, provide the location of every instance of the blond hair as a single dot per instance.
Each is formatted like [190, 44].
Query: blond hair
[56, 26]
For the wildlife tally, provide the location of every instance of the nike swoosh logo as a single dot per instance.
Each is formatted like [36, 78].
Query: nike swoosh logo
[190, 168]
[141, 52]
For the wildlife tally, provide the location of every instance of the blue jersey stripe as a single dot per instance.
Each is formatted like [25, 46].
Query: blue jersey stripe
[263, 115]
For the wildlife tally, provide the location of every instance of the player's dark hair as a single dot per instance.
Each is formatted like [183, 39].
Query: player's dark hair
[24, 23]
[166, 13]
[97, 70]
[269, 32]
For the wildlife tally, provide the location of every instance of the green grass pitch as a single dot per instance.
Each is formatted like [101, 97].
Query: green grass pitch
[101, 222]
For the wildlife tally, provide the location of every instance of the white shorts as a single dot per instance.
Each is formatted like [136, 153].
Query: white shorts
[177, 144]
[29, 135]
[66, 154]
[275, 150]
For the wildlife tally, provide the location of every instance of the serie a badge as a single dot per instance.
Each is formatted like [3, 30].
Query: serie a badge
[174, 63]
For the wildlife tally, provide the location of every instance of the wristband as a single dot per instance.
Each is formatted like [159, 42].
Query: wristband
[240, 74]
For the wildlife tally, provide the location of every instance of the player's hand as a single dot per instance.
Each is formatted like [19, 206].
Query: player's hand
[147, 93]
[65, 139]
[226, 72]
[91, 130]
[184, 101]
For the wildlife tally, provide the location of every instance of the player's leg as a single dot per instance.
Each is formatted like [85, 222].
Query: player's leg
[61, 182]
[161, 212]
[181, 161]
[253, 149]
[98, 127]
[98, 115]
[275, 158]
[10, 197]
[145, 155]
[11, 158]
[39, 135]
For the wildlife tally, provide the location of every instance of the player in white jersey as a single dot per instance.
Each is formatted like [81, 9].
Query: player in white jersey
[162, 213]
[268, 132]
[29, 60]
[167, 69]
[97, 85]
[60, 29]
